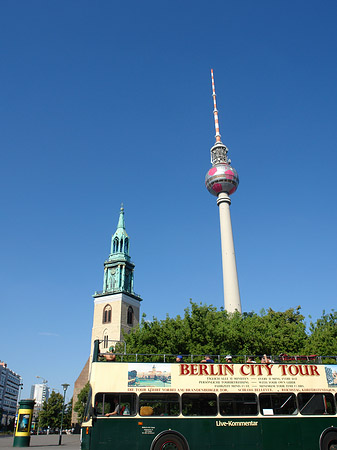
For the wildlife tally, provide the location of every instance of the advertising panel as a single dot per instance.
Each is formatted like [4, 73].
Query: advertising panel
[161, 377]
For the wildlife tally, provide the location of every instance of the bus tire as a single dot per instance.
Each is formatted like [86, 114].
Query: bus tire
[169, 440]
[329, 441]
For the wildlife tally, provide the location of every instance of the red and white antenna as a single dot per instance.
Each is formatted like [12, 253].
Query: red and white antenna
[215, 112]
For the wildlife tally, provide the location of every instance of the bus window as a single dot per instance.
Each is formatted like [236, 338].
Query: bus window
[159, 405]
[199, 404]
[316, 403]
[106, 403]
[277, 404]
[238, 404]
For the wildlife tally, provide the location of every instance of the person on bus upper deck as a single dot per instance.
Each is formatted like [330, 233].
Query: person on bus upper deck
[117, 409]
[266, 360]
[207, 360]
[179, 359]
[250, 360]
[229, 359]
[111, 357]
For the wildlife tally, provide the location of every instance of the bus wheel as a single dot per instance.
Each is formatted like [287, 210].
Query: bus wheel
[169, 441]
[329, 441]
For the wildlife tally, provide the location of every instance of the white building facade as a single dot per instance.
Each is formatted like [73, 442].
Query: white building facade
[40, 393]
[9, 392]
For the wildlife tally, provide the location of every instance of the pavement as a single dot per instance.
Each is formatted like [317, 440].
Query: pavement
[44, 442]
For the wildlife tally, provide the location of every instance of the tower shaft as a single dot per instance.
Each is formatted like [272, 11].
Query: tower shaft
[230, 276]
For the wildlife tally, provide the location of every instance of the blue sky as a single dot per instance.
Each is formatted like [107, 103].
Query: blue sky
[110, 102]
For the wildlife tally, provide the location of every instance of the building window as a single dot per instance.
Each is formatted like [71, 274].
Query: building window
[107, 314]
[115, 246]
[126, 246]
[105, 340]
[121, 250]
[130, 316]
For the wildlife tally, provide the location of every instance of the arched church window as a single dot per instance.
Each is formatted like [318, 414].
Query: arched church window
[115, 246]
[130, 315]
[121, 250]
[107, 314]
[105, 339]
[126, 246]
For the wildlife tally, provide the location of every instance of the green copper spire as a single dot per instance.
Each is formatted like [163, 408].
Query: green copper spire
[120, 240]
[118, 268]
[121, 223]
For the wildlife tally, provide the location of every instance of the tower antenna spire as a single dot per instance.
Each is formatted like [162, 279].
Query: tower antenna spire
[215, 112]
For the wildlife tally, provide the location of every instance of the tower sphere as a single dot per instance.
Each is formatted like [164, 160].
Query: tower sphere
[222, 178]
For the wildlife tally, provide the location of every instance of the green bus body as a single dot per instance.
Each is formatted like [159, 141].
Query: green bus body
[192, 406]
[203, 433]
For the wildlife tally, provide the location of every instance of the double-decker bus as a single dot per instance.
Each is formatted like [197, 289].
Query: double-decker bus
[286, 404]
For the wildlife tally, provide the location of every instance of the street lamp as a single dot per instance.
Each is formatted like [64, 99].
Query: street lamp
[20, 387]
[65, 387]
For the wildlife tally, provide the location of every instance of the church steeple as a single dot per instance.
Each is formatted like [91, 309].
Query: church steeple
[120, 240]
[118, 268]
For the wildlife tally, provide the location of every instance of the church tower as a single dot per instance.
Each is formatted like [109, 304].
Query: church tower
[116, 308]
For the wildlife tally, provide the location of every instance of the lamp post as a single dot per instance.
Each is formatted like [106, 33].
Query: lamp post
[18, 402]
[20, 389]
[65, 387]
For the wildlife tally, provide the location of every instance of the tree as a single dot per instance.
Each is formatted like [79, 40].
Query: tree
[323, 335]
[206, 330]
[67, 415]
[50, 415]
[81, 402]
[273, 332]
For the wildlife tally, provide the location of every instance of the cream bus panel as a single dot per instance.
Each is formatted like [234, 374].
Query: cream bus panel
[161, 377]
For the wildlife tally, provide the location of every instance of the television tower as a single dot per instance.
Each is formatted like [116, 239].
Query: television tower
[222, 180]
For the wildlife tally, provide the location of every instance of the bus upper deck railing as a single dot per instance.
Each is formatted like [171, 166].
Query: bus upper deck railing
[283, 358]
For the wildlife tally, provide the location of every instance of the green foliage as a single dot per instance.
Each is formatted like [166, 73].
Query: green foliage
[274, 332]
[323, 334]
[67, 415]
[81, 402]
[50, 415]
[206, 330]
